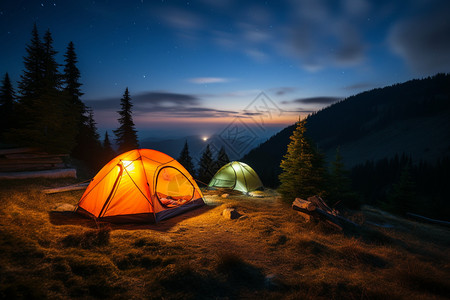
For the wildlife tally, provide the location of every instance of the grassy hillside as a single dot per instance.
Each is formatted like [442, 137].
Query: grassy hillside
[268, 253]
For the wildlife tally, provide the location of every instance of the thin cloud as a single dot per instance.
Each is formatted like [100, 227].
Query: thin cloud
[315, 100]
[423, 42]
[280, 91]
[164, 104]
[148, 100]
[182, 19]
[207, 80]
[162, 97]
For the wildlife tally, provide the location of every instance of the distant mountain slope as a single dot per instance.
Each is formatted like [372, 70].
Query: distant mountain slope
[197, 145]
[411, 118]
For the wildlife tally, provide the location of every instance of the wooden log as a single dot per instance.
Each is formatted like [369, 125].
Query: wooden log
[304, 204]
[334, 220]
[45, 160]
[318, 202]
[58, 173]
[73, 187]
[33, 155]
[30, 167]
[305, 216]
[17, 150]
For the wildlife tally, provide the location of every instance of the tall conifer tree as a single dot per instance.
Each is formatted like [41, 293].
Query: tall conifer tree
[221, 159]
[71, 77]
[108, 151]
[72, 86]
[126, 135]
[303, 172]
[339, 189]
[90, 152]
[7, 98]
[43, 112]
[30, 83]
[206, 166]
[81, 115]
[186, 160]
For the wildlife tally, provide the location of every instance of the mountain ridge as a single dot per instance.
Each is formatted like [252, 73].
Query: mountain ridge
[411, 118]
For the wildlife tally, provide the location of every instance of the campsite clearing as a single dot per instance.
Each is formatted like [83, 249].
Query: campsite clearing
[266, 253]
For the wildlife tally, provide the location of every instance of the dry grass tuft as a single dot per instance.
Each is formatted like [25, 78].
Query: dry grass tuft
[88, 239]
[422, 277]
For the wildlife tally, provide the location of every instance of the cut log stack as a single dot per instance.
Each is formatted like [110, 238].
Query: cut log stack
[32, 163]
[315, 208]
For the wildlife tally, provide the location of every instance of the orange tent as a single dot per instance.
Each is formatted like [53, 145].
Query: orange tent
[140, 186]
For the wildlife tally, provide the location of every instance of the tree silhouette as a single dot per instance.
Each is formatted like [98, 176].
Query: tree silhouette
[72, 89]
[206, 166]
[185, 159]
[91, 150]
[108, 151]
[7, 98]
[303, 167]
[58, 118]
[221, 159]
[402, 196]
[30, 83]
[339, 188]
[126, 136]
[45, 118]
[72, 85]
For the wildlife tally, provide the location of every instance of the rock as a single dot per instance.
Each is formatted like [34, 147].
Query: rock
[225, 195]
[256, 194]
[166, 238]
[230, 213]
[64, 207]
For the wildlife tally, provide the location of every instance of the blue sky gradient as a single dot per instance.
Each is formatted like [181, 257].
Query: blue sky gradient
[193, 65]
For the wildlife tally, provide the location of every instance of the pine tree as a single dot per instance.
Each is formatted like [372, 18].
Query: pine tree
[339, 189]
[108, 151]
[7, 98]
[72, 85]
[30, 90]
[51, 76]
[43, 111]
[126, 136]
[72, 88]
[303, 171]
[71, 77]
[185, 159]
[221, 159]
[402, 196]
[206, 166]
[31, 83]
[91, 150]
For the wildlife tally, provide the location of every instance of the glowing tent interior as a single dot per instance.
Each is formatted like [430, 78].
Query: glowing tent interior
[237, 176]
[140, 186]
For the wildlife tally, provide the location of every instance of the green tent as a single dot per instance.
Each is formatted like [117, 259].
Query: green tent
[237, 176]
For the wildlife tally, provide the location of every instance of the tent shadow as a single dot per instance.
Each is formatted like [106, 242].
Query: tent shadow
[61, 218]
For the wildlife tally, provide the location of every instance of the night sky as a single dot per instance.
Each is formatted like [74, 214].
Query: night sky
[193, 66]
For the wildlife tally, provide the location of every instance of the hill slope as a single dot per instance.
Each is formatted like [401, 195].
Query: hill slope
[411, 118]
[268, 253]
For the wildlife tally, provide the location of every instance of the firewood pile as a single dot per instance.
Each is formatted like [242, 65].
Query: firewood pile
[316, 209]
[23, 161]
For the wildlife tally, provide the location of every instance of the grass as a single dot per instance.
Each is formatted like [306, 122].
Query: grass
[267, 253]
